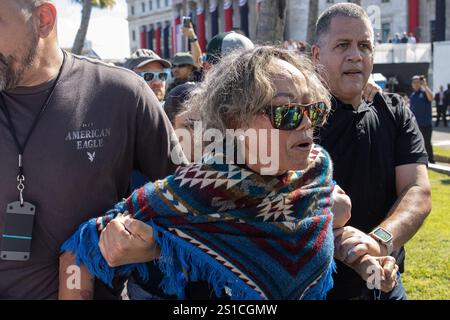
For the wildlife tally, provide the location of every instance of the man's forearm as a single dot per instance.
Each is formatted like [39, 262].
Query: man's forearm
[429, 94]
[75, 282]
[196, 53]
[408, 214]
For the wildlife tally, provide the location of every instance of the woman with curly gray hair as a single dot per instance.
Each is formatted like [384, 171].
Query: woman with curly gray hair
[241, 88]
[243, 231]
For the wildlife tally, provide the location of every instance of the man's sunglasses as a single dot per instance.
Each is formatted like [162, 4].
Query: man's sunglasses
[289, 116]
[150, 76]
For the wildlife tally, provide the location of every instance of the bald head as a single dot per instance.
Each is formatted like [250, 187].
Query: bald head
[29, 51]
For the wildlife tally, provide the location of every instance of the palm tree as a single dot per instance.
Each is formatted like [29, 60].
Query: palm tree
[271, 21]
[313, 14]
[86, 11]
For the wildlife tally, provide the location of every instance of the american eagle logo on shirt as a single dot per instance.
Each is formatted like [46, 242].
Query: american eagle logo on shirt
[91, 156]
[88, 137]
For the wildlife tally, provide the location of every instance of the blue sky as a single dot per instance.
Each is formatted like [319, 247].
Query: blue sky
[108, 29]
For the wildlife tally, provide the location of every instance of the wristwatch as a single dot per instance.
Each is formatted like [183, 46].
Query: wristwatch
[193, 40]
[383, 237]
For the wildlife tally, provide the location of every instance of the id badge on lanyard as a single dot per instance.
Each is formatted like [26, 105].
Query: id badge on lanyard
[19, 215]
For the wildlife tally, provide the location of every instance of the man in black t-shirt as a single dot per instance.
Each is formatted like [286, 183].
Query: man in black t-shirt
[95, 124]
[377, 150]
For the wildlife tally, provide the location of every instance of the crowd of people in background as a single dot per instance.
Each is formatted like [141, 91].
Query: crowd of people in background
[397, 39]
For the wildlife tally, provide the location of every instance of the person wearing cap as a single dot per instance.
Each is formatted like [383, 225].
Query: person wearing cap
[222, 43]
[150, 66]
[182, 70]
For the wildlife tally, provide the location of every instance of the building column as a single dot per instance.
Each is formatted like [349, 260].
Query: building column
[440, 20]
[447, 22]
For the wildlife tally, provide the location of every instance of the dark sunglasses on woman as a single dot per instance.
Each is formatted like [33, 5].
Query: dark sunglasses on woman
[289, 116]
[149, 76]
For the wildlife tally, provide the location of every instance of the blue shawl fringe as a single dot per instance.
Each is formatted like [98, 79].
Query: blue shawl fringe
[176, 255]
[84, 244]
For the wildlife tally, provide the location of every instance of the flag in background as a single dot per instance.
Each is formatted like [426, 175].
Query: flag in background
[201, 24]
[228, 14]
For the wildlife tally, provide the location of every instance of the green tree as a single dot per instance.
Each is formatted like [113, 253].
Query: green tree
[86, 11]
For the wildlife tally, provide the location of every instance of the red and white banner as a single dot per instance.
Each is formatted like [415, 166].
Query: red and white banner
[228, 14]
[201, 24]
[176, 42]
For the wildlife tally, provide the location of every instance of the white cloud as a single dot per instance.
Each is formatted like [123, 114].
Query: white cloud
[108, 28]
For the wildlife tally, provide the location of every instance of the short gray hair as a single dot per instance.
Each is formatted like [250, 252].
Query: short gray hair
[241, 85]
[349, 10]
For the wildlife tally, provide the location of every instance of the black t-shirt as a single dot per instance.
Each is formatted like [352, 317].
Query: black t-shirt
[366, 145]
[101, 123]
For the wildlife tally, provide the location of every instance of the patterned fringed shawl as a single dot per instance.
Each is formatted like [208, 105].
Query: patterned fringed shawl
[256, 237]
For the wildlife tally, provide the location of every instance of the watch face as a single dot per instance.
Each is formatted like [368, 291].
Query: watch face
[383, 235]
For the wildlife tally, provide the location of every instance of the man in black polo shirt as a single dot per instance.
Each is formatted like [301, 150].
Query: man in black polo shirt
[377, 149]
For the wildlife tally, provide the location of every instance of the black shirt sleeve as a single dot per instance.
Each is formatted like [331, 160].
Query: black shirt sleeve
[410, 146]
[157, 150]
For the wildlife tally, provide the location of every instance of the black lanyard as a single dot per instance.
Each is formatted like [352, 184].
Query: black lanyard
[12, 130]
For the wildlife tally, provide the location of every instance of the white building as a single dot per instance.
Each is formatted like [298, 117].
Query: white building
[161, 19]
[151, 17]
[393, 18]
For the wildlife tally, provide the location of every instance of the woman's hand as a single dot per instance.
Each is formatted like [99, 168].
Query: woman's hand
[125, 240]
[342, 207]
[370, 90]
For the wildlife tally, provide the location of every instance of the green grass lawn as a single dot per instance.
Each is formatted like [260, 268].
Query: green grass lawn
[445, 152]
[427, 267]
